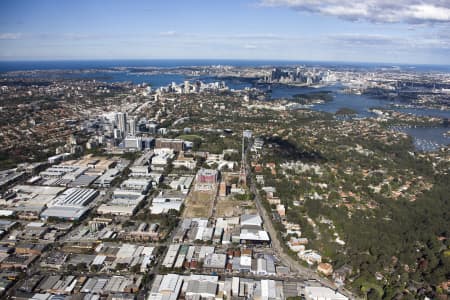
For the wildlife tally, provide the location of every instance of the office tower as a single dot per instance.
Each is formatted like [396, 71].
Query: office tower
[132, 127]
[121, 120]
[117, 134]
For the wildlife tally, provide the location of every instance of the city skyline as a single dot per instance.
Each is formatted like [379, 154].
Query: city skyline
[412, 32]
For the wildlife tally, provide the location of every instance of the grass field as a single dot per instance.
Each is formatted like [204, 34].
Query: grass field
[199, 204]
[229, 207]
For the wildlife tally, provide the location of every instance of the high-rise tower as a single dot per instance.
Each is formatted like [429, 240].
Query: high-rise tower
[121, 119]
[132, 127]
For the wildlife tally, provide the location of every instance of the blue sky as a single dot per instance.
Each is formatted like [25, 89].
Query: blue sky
[409, 31]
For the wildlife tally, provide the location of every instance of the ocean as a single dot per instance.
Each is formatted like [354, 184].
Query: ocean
[6, 66]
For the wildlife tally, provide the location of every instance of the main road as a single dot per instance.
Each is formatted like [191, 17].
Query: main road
[294, 265]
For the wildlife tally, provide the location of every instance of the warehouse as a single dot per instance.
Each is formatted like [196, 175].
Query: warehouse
[56, 172]
[182, 183]
[171, 255]
[123, 203]
[167, 200]
[251, 220]
[254, 236]
[166, 287]
[107, 178]
[32, 198]
[70, 205]
[181, 256]
[322, 293]
[64, 212]
[120, 284]
[75, 197]
[83, 181]
[10, 176]
[204, 251]
[201, 289]
[269, 289]
[94, 285]
[215, 261]
[140, 171]
[139, 185]
[99, 260]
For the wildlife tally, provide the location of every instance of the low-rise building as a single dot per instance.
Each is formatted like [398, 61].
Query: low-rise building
[140, 171]
[167, 200]
[215, 261]
[134, 184]
[175, 144]
[322, 293]
[123, 203]
[325, 268]
[201, 289]
[166, 287]
[185, 162]
[107, 178]
[183, 183]
[70, 205]
[310, 257]
[169, 259]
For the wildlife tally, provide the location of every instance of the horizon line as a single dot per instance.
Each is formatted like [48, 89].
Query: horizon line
[221, 59]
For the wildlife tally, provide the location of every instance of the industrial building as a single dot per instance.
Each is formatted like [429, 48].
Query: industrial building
[74, 197]
[166, 200]
[65, 213]
[105, 180]
[122, 203]
[215, 261]
[169, 259]
[31, 198]
[174, 286]
[176, 144]
[201, 289]
[185, 162]
[322, 293]
[136, 184]
[182, 183]
[72, 204]
[161, 159]
[140, 171]
[166, 287]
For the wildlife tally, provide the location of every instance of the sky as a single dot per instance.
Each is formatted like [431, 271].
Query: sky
[400, 31]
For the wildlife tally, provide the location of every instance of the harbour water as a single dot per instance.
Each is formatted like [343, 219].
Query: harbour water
[425, 138]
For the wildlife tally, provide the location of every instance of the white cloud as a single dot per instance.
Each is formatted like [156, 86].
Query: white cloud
[378, 11]
[262, 36]
[380, 41]
[168, 33]
[10, 36]
[430, 12]
[250, 46]
[365, 39]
